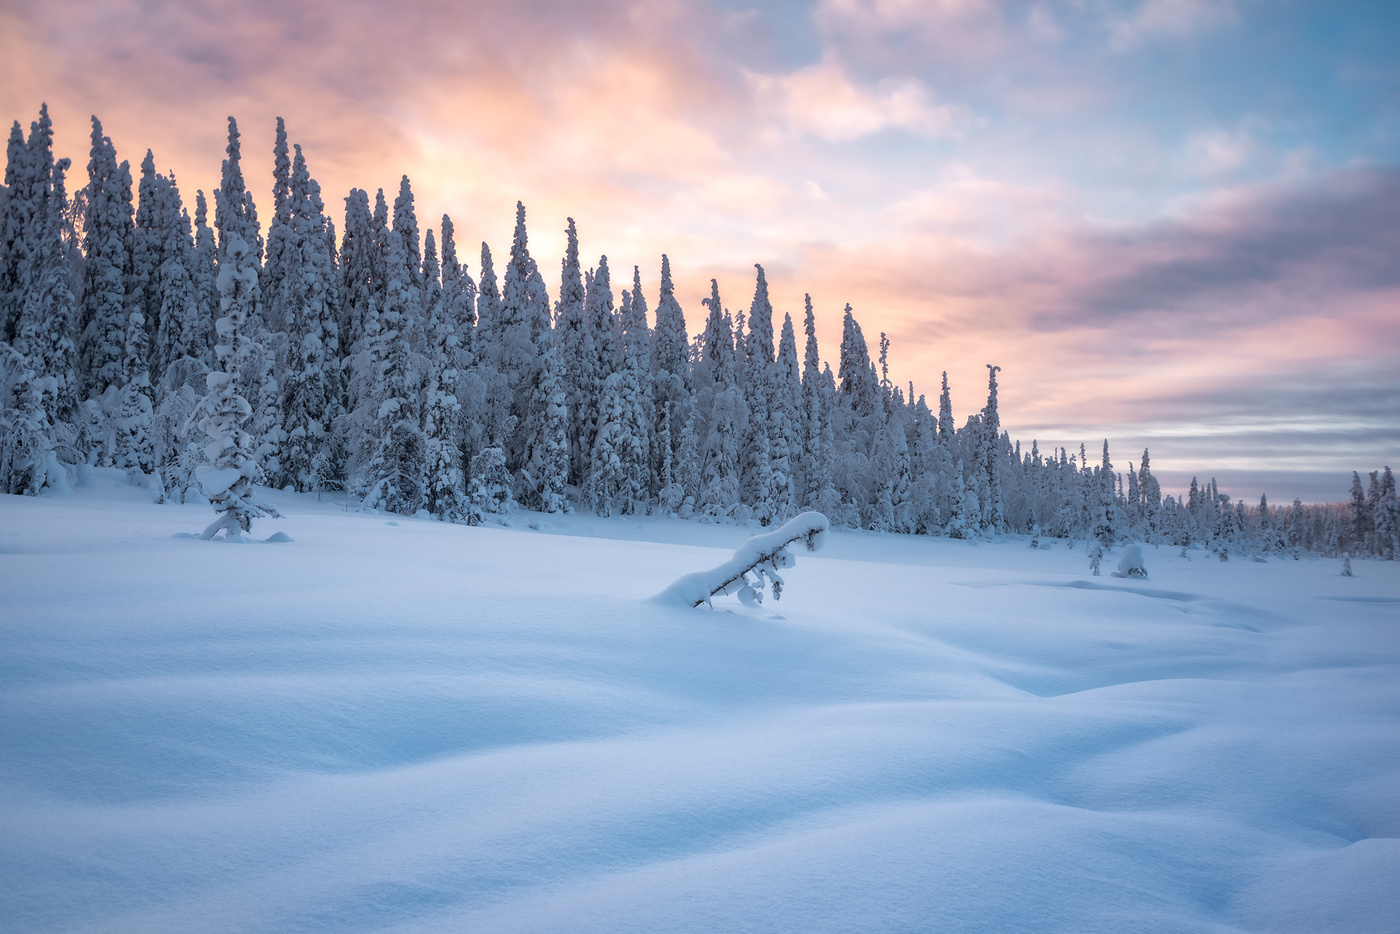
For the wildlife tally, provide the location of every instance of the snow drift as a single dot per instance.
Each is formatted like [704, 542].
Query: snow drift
[402, 725]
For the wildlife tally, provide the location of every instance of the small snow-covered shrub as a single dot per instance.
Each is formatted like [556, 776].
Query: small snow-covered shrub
[1095, 556]
[1130, 563]
[490, 486]
[763, 556]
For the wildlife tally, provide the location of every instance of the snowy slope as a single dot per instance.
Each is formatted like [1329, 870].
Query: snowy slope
[392, 724]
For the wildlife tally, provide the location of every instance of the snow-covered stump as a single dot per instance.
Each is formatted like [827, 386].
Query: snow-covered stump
[763, 556]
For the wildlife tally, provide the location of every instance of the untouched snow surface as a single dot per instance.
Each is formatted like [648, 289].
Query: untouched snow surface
[392, 724]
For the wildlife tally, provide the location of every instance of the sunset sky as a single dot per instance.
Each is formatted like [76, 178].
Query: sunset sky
[1173, 223]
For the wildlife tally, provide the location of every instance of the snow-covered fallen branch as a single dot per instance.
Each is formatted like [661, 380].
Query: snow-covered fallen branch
[763, 556]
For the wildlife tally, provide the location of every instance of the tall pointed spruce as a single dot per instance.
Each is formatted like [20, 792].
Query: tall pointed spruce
[233, 469]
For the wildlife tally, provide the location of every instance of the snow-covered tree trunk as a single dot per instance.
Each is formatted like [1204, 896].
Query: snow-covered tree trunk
[762, 556]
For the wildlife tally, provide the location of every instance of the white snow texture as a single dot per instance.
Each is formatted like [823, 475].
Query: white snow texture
[417, 726]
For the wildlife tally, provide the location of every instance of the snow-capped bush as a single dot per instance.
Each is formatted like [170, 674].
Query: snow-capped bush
[1130, 564]
[762, 555]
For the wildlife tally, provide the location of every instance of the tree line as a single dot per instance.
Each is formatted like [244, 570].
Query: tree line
[207, 360]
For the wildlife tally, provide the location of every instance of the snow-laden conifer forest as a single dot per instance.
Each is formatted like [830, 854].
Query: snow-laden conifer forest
[207, 356]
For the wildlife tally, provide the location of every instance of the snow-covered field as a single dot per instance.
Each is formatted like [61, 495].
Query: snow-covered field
[396, 724]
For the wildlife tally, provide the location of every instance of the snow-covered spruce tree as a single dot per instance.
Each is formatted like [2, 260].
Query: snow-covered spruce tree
[686, 471]
[541, 327]
[495, 421]
[511, 349]
[720, 403]
[279, 269]
[859, 389]
[228, 479]
[143, 287]
[571, 338]
[828, 497]
[721, 453]
[1388, 518]
[458, 301]
[990, 456]
[636, 332]
[671, 399]
[266, 399]
[27, 463]
[360, 272]
[1359, 514]
[786, 412]
[617, 481]
[636, 353]
[134, 427]
[741, 349]
[811, 407]
[107, 234]
[756, 479]
[459, 318]
[446, 483]
[1150, 493]
[714, 366]
[756, 484]
[490, 485]
[407, 232]
[926, 466]
[551, 464]
[521, 338]
[236, 216]
[204, 274]
[759, 345]
[24, 213]
[307, 303]
[1107, 526]
[49, 315]
[14, 250]
[395, 473]
[181, 353]
[601, 359]
[945, 417]
[890, 470]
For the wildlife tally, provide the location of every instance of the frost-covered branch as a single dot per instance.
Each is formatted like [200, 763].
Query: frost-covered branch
[762, 556]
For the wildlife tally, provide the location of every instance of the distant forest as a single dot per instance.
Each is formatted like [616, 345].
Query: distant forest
[208, 360]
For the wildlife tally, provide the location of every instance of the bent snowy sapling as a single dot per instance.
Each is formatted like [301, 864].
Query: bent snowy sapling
[762, 556]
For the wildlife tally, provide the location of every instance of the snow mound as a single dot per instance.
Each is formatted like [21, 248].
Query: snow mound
[276, 537]
[763, 556]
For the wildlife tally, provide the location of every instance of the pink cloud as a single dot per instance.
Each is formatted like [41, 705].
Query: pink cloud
[823, 100]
